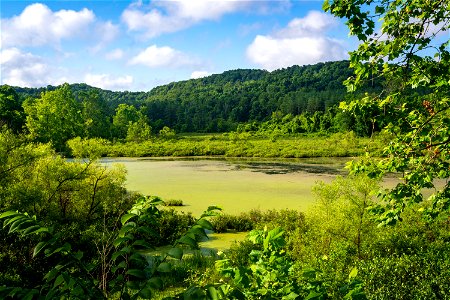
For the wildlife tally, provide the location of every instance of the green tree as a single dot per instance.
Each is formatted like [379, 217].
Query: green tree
[124, 117]
[11, 111]
[140, 130]
[340, 214]
[167, 132]
[406, 42]
[54, 117]
[96, 119]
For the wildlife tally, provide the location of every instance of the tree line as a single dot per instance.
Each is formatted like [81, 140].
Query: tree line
[219, 103]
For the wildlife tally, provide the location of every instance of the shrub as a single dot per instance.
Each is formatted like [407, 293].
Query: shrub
[173, 202]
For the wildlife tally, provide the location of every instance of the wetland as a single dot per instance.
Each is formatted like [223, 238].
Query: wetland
[236, 185]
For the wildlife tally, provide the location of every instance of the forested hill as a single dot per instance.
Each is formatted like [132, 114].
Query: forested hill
[219, 102]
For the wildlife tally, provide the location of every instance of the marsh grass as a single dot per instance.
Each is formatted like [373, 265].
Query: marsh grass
[238, 145]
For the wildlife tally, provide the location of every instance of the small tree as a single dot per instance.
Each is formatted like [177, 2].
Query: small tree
[124, 117]
[54, 117]
[167, 132]
[139, 131]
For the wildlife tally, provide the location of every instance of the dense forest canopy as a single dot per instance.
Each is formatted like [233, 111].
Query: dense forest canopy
[307, 95]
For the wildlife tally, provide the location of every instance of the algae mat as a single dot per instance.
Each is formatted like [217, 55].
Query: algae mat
[236, 185]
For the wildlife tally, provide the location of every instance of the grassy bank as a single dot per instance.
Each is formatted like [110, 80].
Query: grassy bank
[235, 145]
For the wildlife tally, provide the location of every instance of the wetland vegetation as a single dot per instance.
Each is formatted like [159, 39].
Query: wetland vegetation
[75, 229]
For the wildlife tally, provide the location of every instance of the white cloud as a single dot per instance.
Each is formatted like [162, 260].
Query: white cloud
[155, 57]
[171, 16]
[303, 41]
[37, 25]
[106, 81]
[115, 54]
[315, 22]
[27, 70]
[199, 74]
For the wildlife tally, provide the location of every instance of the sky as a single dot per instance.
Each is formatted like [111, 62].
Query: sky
[137, 45]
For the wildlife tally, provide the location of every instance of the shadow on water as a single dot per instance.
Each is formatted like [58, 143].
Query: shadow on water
[331, 166]
[283, 168]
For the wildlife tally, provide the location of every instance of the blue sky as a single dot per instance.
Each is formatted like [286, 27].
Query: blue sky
[125, 45]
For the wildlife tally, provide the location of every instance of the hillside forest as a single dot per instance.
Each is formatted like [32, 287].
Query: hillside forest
[71, 230]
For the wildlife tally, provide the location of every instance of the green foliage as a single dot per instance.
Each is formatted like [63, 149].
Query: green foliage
[128, 274]
[257, 219]
[270, 273]
[409, 260]
[54, 117]
[124, 117]
[95, 115]
[173, 202]
[238, 145]
[411, 51]
[219, 103]
[88, 148]
[340, 213]
[11, 111]
[167, 133]
[139, 131]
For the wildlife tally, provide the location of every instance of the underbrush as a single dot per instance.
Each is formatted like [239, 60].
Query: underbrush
[288, 219]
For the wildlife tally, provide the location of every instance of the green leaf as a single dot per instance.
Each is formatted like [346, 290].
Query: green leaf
[314, 295]
[64, 248]
[9, 213]
[164, 267]
[205, 224]
[353, 273]
[188, 241]
[145, 293]
[137, 257]
[126, 217]
[58, 280]
[31, 294]
[117, 242]
[175, 253]
[39, 247]
[213, 293]
[136, 273]
[155, 283]
[78, 255]
[143, 244]
[51, 274]
[198, 231]
[116, 254]
[31, 229]
[19, 224]
[121, 265]
[126, 228]
[13, 219]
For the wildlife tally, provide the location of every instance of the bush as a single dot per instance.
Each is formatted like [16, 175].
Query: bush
[173, 202]
[424, 275]
[172, 225]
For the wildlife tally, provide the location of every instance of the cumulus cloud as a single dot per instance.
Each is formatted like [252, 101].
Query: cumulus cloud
[199, 74]
[108, 82]
[115, 54]
[171, 16]
[165, 56]
[303, 41]
[27, 70]
[37, 25]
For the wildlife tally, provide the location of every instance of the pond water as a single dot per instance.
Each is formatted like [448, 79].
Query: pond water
[234, 185]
